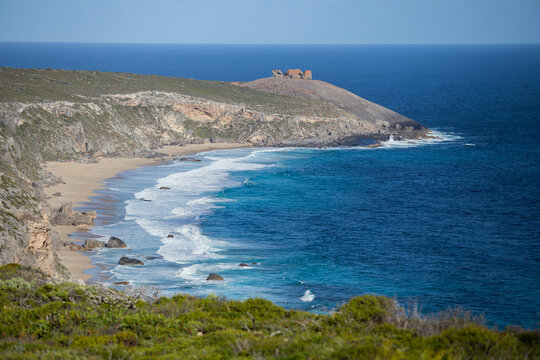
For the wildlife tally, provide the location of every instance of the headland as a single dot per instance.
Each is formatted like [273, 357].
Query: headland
[78, 118]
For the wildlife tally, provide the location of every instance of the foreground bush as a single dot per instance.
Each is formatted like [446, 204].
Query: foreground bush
[40, 319]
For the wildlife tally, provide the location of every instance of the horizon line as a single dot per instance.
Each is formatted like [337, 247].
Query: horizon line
[266, 44]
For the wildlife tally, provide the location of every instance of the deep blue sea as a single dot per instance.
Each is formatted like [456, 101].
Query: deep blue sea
[447, 223]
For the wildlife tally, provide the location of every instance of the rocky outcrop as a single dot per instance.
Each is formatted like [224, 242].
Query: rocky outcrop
[65, 215]
[92, 244]
[124, 260]
[26, 235]
[116, 243]
[74, 246]
[214, 277]
[183, 158]
[294, 73]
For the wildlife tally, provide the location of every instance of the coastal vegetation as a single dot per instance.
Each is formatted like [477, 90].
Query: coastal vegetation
[41, 318]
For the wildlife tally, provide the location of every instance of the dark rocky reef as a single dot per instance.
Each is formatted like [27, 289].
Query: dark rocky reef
[124, 260]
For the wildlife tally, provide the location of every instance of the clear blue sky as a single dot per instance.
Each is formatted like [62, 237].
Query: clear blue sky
[272, 22]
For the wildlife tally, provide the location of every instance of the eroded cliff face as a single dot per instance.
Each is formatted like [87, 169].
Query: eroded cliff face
[192, 117]
[136, 124]
[26, 235]
[130, 123]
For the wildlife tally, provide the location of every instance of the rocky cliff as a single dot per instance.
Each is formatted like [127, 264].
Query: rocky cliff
[70, 115]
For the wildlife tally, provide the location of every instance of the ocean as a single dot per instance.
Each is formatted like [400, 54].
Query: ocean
[453, 222]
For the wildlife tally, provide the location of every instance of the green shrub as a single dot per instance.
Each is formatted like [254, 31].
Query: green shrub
[367, 308]
[62, 320]
[15, 283]
[128, 338]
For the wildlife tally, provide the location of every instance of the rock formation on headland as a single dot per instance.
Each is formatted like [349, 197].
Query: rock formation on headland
[82, 115]
[293, 74]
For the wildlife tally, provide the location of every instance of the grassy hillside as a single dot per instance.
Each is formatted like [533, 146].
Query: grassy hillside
[39, 319]
[33, 85]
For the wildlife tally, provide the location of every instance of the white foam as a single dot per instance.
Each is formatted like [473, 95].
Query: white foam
[308, 296]
[189, 244]
[248, 182]
[256, 153]
[433, 137]
[184, 212]
[196, 274]
[252, 154]
[211, 178]
[191, 273]
[153, 227]
[198, 207]
[187, 199]
[208, 200]
[213, 158]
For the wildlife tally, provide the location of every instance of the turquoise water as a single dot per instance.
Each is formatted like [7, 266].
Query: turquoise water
[448, 223]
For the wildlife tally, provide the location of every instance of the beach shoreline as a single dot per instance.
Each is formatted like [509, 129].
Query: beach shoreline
[81, 181]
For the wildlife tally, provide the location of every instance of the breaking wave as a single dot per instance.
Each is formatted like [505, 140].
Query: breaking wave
[308, 296]
[433, 137]
[182, 198]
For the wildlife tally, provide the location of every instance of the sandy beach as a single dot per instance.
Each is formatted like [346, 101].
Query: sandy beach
[81, 180]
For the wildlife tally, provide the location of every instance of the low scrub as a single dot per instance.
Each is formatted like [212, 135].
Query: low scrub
[40, 318]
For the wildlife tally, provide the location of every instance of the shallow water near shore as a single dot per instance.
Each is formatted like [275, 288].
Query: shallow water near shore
[448, 223]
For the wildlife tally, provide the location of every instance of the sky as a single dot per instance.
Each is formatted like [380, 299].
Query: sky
[272, 22]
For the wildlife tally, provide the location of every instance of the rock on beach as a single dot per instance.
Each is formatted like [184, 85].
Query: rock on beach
[115, 242]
